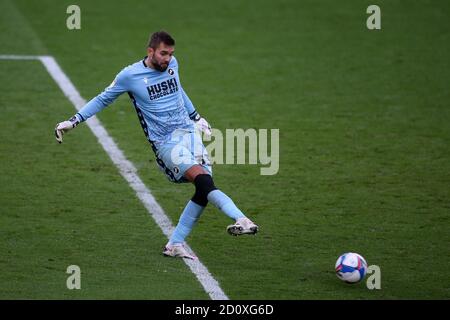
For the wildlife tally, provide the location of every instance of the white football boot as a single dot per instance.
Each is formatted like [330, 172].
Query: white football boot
[177, 251]
[242, 226]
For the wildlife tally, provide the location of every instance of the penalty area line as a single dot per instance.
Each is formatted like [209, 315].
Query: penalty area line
[126, 169]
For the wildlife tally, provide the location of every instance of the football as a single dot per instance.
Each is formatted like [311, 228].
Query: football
[351, 267]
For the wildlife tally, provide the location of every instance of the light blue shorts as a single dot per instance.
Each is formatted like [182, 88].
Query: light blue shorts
[182, 151]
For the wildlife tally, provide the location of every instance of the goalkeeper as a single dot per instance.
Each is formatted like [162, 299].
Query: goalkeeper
[171, 124]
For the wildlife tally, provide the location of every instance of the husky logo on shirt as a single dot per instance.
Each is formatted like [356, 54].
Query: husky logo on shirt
[170, 71]
[162, 89]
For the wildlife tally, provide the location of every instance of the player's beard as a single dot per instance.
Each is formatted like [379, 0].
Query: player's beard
[158, 66]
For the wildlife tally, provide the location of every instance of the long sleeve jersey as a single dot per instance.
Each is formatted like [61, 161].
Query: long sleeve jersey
[160, 101]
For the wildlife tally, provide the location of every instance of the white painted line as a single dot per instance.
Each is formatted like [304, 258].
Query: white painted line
[17, 57]
[127, 170]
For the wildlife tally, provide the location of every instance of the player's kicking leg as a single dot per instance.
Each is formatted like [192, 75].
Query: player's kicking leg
[184, 166]
[205, 191]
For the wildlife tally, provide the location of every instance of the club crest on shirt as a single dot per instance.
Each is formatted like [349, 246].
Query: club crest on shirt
[176, 170]
[170, 71]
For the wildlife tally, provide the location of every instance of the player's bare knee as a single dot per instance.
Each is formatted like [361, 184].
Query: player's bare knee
[204, 184]
[193, 172]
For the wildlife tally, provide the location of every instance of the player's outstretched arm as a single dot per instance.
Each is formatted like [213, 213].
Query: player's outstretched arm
[107, 97]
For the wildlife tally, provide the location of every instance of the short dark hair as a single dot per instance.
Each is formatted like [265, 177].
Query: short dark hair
[158, 37]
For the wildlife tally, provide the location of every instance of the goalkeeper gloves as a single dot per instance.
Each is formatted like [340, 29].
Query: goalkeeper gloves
[65, 126]
[202, 125]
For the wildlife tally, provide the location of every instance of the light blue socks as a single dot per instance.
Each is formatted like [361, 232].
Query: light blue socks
[225, 204]
[192, 212]
[188, 218]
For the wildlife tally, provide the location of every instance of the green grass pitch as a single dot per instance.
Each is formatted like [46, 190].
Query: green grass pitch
[364, 124]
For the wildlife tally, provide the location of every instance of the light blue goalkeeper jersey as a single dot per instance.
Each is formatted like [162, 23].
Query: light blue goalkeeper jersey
[160, 101]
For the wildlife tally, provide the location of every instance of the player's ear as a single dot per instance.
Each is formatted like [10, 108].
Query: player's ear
[150, 51]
